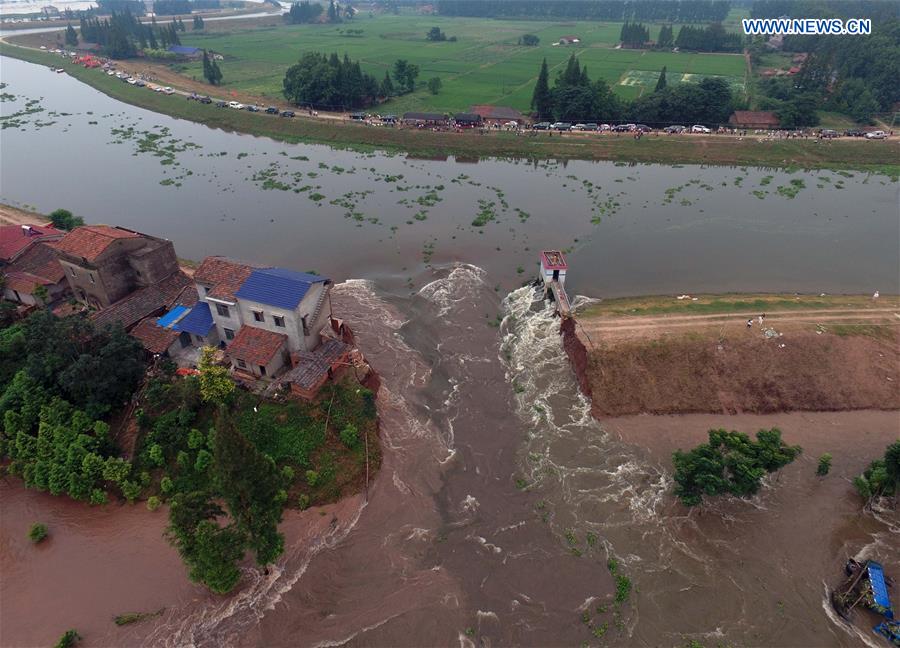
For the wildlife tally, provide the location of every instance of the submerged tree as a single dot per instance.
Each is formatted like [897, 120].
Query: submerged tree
[729, 463]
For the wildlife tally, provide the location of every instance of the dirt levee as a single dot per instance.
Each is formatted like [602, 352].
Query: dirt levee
[719, 365]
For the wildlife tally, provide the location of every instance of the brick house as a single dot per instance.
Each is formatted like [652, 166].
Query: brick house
[286, 310]
[104, 264]
[35, 268]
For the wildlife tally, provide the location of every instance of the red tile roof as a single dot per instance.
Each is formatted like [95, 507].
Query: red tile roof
[256, 346]
[488, 111]
[147, 301]
[754, 117]
[35, 266]
[90, 241]
[155, 339]
[223, 276]
[15, 238]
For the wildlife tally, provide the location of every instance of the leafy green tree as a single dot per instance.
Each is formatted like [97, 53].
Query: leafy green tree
[350, 435]
[729, 463]
[333, 14]
[211, 71]
[198, 23]
[824, 465]
[71, 36]
[541, 99]
[211, 552]
[666, 39]
[156, 455]
[303, 12]
[799, 111]
[529, 40]
[387, 86]
[435, 34]
[37, 532]
[661, 82]
[252, 487]
[434, 85]
[68, 639]
[329, 82]
[882, 477]
[405, 74]
[216, 386]
[153, 503]
[63, 219]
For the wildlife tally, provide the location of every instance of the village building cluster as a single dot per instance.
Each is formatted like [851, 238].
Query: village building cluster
[273, 325]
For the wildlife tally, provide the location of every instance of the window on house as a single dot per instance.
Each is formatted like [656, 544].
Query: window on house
[229, 334]
[258, 316]
[305, 328]
[92, 277]
[241, 364]
[222, 310]
[72, 270]
[262, 370]
[279, 320]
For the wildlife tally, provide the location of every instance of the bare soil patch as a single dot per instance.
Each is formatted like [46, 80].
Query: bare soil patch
[819, 360]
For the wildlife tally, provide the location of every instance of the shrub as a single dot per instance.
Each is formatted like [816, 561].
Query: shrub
[312, 477]
[195, 439]
[153, 503]
[69, 639]
[303, 502]
[623, 588]
[156, 455]
[350, 436]
[166, 485]
[824, 465]
[131, 490]
[98, 496]
[37, 532]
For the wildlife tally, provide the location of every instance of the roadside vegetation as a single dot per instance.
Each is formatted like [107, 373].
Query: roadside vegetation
[84, 415]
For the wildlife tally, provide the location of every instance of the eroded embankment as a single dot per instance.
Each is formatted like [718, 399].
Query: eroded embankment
[704, 370]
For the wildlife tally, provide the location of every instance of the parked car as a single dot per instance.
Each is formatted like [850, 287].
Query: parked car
[541, 126]
[828, 133]
[591, 127]
[578, 127]
[699, 128]
[854, 132]
[221, 104]
[205, 100]
[674, 129]
[643, 128]
[287, 113]
[131, 80]
[253, 108]
[562, 126]
[271, 110]
[140, 84]
[621, 128]
[605, 127]
[879, 134]
[168, 90]
[237, 105]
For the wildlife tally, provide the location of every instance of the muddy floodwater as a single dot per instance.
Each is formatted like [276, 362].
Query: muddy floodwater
[500, 501]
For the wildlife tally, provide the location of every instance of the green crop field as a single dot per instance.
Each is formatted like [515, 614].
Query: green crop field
[485, 64]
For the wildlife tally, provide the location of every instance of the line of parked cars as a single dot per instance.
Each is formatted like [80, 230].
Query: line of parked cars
[616, 128]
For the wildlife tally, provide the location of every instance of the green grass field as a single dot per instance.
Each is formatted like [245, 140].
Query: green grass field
[485, 65]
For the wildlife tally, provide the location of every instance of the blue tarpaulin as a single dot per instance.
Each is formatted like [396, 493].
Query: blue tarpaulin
[167, 320]
[879, 588]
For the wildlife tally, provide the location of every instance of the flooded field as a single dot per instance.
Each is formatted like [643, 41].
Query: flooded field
[500, 502]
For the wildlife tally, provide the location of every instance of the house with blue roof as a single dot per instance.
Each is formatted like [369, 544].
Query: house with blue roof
[262, 315]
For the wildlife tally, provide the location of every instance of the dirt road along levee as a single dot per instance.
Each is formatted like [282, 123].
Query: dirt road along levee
[840, 353]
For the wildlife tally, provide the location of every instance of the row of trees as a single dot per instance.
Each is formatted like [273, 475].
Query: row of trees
[685, 11]
[634, 34]
[712, 38]
[574, 96]
[121, 34]
[329, 82]
[303, 12]
[174, 7]
[58, 378]
[211, 71]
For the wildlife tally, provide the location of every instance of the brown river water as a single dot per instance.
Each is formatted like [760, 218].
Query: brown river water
[493, 469]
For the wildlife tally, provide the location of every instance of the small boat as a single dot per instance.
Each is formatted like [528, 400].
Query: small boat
[59, 70]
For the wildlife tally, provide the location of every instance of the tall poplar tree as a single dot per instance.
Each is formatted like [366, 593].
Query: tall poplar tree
[541, 100]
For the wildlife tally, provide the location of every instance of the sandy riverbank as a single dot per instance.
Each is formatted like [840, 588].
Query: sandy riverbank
[669, 356]
[14, 216]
